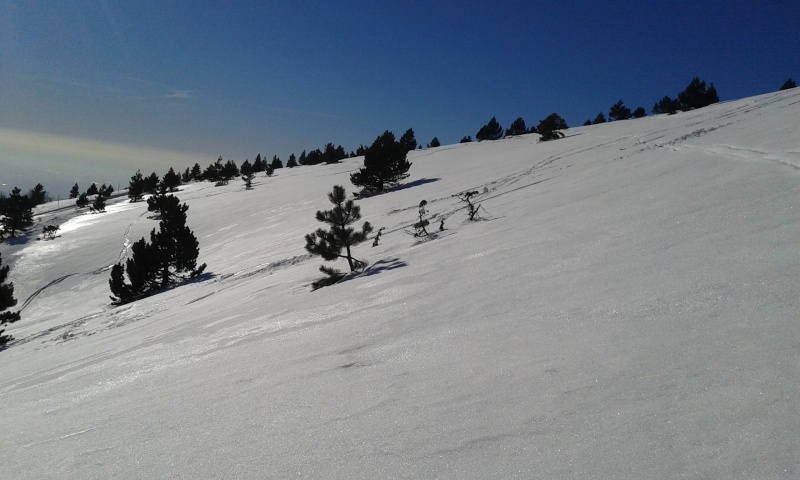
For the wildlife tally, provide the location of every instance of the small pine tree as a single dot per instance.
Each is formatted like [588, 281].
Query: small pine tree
[490, 131]
[82, 201]
[639, 112]
[434, 143]
[619, 111]
[75, 191]
[696, 95]
[385, 164]
[666, 105]
[37, 195]
[788, 84]
[408, 140]
[277, 163]
[517, 128]
[248, 181]
[171, 180]
[197, 173]
[329, 244]
[99, 204]
[292, 162]
[92, 190]
[550, 126]
[600, 118]
[7, 301]
[136, 187]
[467, 139]
[420, 229]
[16, 213]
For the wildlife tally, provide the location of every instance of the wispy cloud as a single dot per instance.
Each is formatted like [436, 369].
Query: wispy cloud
[180, 94]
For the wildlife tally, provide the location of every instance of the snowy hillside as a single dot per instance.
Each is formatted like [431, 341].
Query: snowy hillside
[626, 308]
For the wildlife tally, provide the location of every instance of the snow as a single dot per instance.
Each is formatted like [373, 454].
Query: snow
[626, 308]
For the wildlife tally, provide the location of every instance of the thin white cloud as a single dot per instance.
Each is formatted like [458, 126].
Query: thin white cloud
[180, 94]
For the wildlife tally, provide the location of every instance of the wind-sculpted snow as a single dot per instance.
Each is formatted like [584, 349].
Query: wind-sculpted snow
[627, 308]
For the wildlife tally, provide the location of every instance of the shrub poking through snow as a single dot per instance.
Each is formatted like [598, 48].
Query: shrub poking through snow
[248, 181]
[472, 209]
[50, 231]
[377, 239]
[340, 236]
[419, 227]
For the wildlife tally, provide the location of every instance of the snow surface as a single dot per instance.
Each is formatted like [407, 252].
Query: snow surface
[626, 308]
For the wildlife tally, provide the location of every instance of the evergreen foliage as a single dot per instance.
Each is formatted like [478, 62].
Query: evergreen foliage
[619, 111]
[150, 183]
[246, 169]
[170, 257]
[99, 204]
[408, 140]
[16, 212]
[92, 190]
[667, 105]
[587, 123]
[385, 164]
[329, 155]
[420, 229]
[340, 235]
[467, 139]
[197, 173]
[472, 209]
[639, 112]
[75, 191]
[7, 301]
[105, 191]
[37, 195]
[258, 164]
[696, 95]
[82, 201]
[490, 131]
[517, 128]
[434, 143]
[550, 126]
[788, 84]
[171, 180]
[292, 162]
[276, 163]
[248, 180]
[600, 118]
[136, 187]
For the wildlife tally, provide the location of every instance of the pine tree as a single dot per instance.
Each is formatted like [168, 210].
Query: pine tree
[696, 95]
[517, 128]
[600, 118]
[197, 173]
[639, 112]
[276, 163]
[435, 143]
[329, 244]
[408, 140]
[385, 164]
[292, 162]
[171, 256]
[258, 164]
[17, 213]
[99, 204]
[490, 131]
[136, 187]
[246, 169]
[619, 111]
[550, 126]
[7, 301]
[666, 105]
[788, 84]
[92, 190]
[82, 201]
[75, 191]
[248, 180]
[37, 195]
[150, 183]
[171, 180]
[467, 139]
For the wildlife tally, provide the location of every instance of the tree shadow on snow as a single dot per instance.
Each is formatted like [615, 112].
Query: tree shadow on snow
[375, 268]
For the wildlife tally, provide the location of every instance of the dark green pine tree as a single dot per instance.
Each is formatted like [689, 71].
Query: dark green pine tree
[490, 131]
[197, 173]
[276, 163]
[7, 301]
[37, 195]
[619, 111]
[385, 165]
[340, 236]
[550, 126]
[171, 180]
[99, 204]
[92, 190]
[17, 213]
[82, 201]
[600, 118]
[136, 187]
[788, 84]
[408, 140]
[696, 95]
[639, 112]
[517, 128]
[170, 257]
[292, 162]
[75, 191]
[435, 143]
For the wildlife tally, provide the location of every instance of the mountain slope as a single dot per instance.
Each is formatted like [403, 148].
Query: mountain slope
[626, 308]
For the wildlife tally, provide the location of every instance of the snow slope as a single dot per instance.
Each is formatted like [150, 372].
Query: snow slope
[626, 308]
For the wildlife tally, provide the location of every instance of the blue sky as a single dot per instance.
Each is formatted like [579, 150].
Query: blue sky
[207, 78]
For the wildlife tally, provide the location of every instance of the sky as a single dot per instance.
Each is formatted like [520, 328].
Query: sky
[208, 78]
